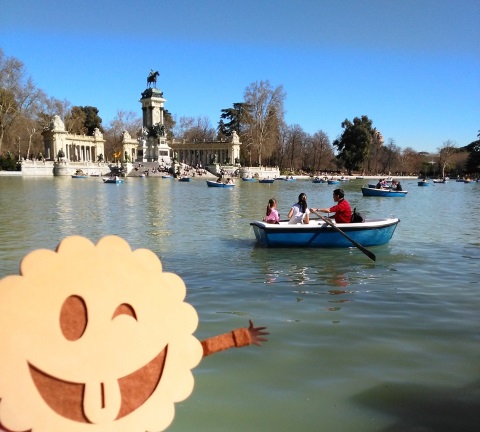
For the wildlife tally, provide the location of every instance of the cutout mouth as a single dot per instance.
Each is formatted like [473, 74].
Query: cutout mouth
[67, 398]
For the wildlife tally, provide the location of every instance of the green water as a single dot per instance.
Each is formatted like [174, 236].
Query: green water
[354, 345]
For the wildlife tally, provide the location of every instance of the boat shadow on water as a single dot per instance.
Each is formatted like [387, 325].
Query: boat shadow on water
[423, 408]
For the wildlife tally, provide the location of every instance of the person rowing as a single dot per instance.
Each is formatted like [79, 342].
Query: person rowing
[343, 212]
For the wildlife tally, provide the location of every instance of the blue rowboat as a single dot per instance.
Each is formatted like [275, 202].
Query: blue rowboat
[372, 232]
[219, 185]
[423, 183]
[248, 179]
[318, 180]
[113, 180]
[368, 191]
[167, 176]
[184, 179]
[266, 181]
[81, 176]
[333, 181]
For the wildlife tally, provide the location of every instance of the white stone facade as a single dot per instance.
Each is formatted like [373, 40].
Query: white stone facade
[75, 148]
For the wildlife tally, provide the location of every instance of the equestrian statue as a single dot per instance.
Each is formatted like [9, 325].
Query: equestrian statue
[152, 78]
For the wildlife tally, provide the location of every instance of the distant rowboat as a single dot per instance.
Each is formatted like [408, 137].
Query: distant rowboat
[368, 191]
[219, 184]
[113, 180]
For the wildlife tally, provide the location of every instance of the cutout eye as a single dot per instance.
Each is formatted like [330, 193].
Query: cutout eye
[73, 318]
[125, 309]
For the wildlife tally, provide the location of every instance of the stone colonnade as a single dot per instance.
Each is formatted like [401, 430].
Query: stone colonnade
[75, 148]
[208, 152]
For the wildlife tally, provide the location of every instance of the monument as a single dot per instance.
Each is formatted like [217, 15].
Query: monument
[153, 145]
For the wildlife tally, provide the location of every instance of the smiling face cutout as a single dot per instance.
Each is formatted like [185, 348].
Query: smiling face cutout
[94, 338]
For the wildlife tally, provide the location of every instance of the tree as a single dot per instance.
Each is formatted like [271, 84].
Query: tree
[375, 153]
[234, 117]
[295, 146]
[169, 123]
[8, 163]
[193, 129]
[262, 117]
[92, 119]
[75, 121]
[320, 152]
[446, 152]
[473, 161]
[388, 156]
[83, 120]
[18, 94]
[354, 143]
[123, 121]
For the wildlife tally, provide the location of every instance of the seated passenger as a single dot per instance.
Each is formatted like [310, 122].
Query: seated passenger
[272, 216]
[299, 213]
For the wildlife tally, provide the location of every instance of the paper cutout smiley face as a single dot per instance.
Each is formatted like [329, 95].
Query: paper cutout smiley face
[94, 338]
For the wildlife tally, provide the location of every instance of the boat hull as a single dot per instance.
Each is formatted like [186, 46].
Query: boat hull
[184, 179]
[368, 191]
[318, 234]
[219, 185]
[422, 183]
[266, 181]
[249, 179]
[117, 181]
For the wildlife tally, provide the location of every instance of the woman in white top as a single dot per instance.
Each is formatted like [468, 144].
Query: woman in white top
[299, 213]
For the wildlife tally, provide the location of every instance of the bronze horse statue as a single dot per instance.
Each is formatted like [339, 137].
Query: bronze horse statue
[152, 79]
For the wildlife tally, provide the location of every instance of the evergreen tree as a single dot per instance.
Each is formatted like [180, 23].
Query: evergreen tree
[234, 119]
[473, 161]
[354, 143]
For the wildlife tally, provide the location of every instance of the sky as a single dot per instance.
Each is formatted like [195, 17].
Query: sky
[411, 66]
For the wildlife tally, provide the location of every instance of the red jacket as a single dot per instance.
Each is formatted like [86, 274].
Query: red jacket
[343, 212]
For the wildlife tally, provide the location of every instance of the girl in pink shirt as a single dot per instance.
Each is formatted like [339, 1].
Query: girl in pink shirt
[272, 215]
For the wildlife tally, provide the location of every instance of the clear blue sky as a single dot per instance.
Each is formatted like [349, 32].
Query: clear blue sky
[412, 66]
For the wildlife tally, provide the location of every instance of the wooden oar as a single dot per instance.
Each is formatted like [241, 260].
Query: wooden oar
[371, 255]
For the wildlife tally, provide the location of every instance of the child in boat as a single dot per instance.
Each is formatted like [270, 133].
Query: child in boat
[272, 215]
[299, 213]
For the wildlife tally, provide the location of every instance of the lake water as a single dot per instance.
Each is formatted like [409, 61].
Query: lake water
[354, 345]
